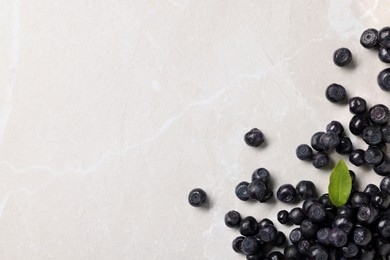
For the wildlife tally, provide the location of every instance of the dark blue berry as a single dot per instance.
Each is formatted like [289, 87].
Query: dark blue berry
[304, 152]
[306, 189]
[342, 57]
[325, 200]
[197, 197]
[257, 190]
[383, 169]
[384, 37]
[367, 253]
[242, 191]
[308, 229]
[362, 236]
[369, 38]
[357, 105]
[317, 213]
[295, 235]
[323, 236]
[329, 140]
[320, 160]
[350, 250]
[382, 246]
[381, 201]
[296, 216]
[275, 256]
[261, 174]
[248, 226]
[303, 246]
[258, 256]
[372, 135]
[379, 114]
[268, 234]
[335, 93]
[367, 214]
[232, 219]
[307, 203]
[280, 239]
[373, 156]
[283, 216]
[343, 222]
[254, 137]
[315, 142]
[371, 189]
[250, 246]
[317, 252]
[265, 222]
[286, 193]
[357, 157]
[345, 146]
[358, 123]
[267, 196]
[384, 227]
[386, 134]
[385, 184]
[384, 55]
[337, 237]
[383, 79]
[335, 127]
[359, 199]
[291, 253]
[236, 244]
[346, 211]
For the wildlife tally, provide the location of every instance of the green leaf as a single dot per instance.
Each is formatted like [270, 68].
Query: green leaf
[340, 184]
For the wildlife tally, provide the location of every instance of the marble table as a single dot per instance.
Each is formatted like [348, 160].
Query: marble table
[112, 111]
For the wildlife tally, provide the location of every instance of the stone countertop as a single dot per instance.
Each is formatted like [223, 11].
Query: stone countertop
[112, 111]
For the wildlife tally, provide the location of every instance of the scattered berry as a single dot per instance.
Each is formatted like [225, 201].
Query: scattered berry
[342, 57]
[254, 137]
[197, 197]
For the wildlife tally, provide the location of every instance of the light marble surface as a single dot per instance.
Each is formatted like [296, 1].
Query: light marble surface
[112, 111]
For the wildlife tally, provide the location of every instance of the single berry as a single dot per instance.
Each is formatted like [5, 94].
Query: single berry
[359, 199]
[306, 189]
[275, 256]
[357, 157]
[386, 134]
[268, 234]
[335, 127]
[250, 246]
[369, 38]
[257, 190]
[383, 79]
[362, 236]
[384, 227]
[379, 114]
[350, 250]
[383, 168]
[237, 243]
[342, 57]
[326, 202]
[371, 189]
[373, 156]
[345, 146]
[261, 174]
[320, 160]
[317, 213]
[357, 105]
[295, 235]
[260, 255]
[283, 216]
[358, 123]
[385, 185]
[296, 216]
[372, 135]
[304, 152]
[197, 197]
[307, 203]
[317, 252]
[242, 191]
[248, 226]
[254, 137]
[315, 142]
[265, 222]
[380, 201]
[308, 229]
[291, 253]
[286, 193]
[303, 246]
[329, 140]
[337, 237]
[323, 236]
[346, 211]
[335, 93]
[367, 214]
[280, 239]
[384, 37]
[384, 55]
[232, 219]
[344, 223]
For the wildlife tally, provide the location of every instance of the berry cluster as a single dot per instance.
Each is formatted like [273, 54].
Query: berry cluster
[258, 189]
